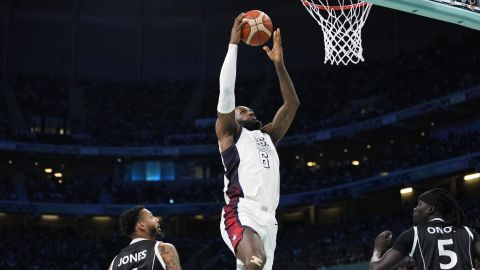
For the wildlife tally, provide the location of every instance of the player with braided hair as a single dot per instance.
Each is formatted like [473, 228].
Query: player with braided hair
[439, 239]
[446, 206]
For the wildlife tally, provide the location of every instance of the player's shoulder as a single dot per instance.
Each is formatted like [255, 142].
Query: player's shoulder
[405, 241]
[410, 232]
[472, 233]
[408, 235]
[267, 129]
[165, 247]
[164, 244]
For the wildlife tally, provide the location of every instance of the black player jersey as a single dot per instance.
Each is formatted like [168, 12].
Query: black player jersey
[436, 246]
[141, 254]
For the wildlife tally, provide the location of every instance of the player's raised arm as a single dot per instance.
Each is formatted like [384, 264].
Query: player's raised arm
[284, 116]
[388, 260]
[226, 127]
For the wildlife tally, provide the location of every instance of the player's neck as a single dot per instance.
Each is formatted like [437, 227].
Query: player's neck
[141, 236]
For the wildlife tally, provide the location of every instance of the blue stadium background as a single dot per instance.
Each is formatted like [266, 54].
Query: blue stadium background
[109, 104]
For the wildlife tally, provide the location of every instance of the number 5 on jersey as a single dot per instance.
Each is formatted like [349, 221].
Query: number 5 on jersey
[448, 253]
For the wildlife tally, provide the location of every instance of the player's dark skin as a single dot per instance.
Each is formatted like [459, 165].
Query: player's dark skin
[227, 127]
[422, 214]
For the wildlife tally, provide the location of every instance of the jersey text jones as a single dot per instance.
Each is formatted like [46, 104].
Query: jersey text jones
[133, 258]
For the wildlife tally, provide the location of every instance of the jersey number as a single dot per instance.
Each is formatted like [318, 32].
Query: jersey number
[448, 253]
[264, 159]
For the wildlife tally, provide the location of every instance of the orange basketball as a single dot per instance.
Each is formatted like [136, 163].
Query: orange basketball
[258, 28]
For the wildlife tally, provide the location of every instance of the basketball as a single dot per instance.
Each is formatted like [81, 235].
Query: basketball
[258, 28]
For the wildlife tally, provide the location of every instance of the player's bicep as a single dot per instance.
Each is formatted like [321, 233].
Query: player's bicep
[389, 260]
[170, 256]
[225, 125]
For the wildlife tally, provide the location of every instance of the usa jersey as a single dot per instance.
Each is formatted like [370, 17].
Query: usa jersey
[252, 169]
[437, 246]
[141, 254]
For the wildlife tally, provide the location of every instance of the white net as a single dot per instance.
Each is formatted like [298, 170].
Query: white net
[341, 24]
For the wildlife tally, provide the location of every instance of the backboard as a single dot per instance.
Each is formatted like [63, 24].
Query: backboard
[461, 12]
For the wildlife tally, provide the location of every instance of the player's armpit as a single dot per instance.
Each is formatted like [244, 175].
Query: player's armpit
[170, 256]
[391, 258]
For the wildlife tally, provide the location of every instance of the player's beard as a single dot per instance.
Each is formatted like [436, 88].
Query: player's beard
[253, 124]
[155, 231]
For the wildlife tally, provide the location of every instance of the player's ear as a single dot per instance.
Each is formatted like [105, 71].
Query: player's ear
[431, 210]
[237, 111]
[141, 226]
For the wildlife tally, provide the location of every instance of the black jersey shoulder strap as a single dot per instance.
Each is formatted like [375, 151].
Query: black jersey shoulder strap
[470, 234]
[158, 255]
[416, 241]
[111, 264]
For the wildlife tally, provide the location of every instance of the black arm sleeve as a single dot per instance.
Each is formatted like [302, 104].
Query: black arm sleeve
[404, 242]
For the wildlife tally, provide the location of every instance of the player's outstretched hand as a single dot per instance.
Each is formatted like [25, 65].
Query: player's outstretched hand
[383, 241]
[236, 34]
[276, 53]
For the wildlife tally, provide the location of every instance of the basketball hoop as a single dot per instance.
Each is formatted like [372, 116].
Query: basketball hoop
[342, 28]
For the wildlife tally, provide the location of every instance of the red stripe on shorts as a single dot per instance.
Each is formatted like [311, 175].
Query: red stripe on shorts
[232, 224]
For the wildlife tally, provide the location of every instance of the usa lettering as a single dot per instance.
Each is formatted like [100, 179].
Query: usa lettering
[261, 142]
[440, 230]
[128, 259]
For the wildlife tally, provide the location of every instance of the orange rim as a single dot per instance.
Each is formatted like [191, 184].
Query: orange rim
[322, 7]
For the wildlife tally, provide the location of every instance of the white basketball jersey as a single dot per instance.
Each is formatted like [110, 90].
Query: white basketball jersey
[252, 169]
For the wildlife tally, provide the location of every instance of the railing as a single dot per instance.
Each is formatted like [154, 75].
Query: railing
[158, 151]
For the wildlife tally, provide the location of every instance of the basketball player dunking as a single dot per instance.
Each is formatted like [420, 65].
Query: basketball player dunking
[144, 252]
[252, 177]
[439, 239]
